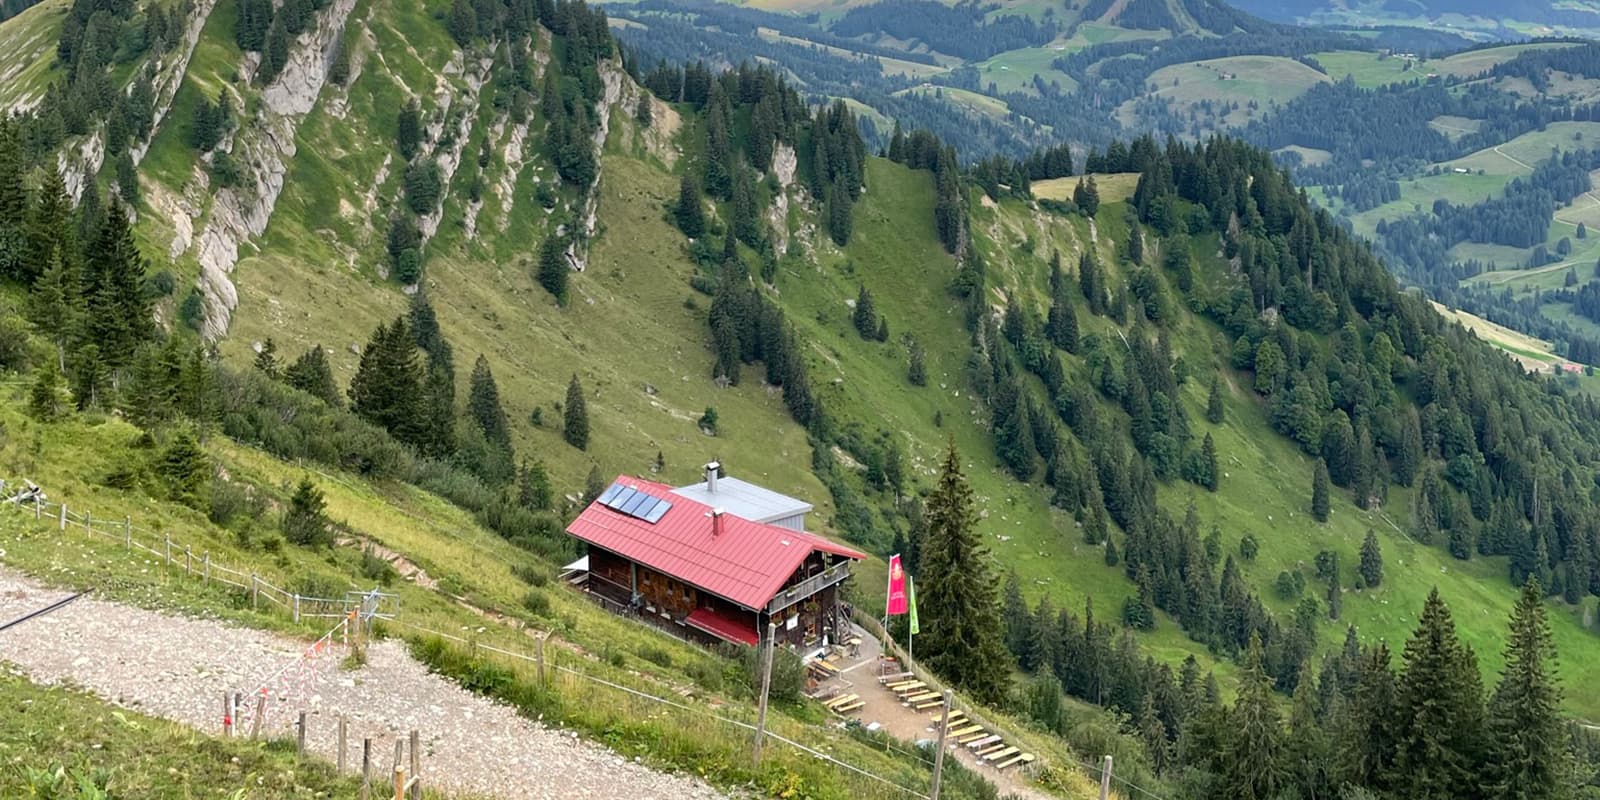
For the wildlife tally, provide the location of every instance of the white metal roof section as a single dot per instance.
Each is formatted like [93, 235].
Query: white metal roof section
[743, 499]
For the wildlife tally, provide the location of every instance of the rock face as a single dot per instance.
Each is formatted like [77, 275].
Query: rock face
[265, 144]
[784, 165]
[449, 157]
[616, 82]
[171, 69]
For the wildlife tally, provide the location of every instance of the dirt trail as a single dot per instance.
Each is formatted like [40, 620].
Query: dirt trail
[179, 668]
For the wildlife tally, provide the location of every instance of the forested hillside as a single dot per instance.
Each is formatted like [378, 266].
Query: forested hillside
[1224, 467]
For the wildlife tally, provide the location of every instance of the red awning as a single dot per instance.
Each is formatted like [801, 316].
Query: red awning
[724, 627]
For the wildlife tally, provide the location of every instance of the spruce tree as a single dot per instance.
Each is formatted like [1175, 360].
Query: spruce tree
[409, 130]
[1214, 409]
[1014, 615]
[266, 361]
[533, 487]
[575, 429]
[866, 315]
[311, 374]
[1319, 491]
[688, 213]
[1253, 756]
[1438, 712]
[305, 522]
[56, 303]
[186, 468]
[916, 372]
[44, 399]
[553, 272]
[961, 625]
[1529, 756]
[1371, 566]
[483, 406]
[119, 312]
[463, 22]
[387, 387]
[1307, 746]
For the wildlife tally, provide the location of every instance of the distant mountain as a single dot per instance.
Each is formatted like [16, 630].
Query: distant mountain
[1499, 14]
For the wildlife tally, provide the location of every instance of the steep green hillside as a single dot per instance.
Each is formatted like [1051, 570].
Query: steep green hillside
[511, 177]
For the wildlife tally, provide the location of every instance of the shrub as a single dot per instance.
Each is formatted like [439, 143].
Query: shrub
[531, 574]
[537, 602]
[374, 568]
[656, 655]
[228, 500]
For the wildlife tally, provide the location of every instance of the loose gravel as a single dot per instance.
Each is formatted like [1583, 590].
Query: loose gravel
[179, 668]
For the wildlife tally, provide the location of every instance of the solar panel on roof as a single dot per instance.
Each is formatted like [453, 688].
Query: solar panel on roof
[658, 512]
[634, 503]
[622, 498]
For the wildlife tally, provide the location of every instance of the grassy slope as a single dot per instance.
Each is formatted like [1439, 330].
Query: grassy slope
[130, 755]
[1264, 80]
[29, 42]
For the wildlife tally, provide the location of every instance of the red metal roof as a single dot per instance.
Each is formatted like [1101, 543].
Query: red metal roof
[724, 627]
[747, 562]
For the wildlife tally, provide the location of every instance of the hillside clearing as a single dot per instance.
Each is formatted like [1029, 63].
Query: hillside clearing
[1253, 83]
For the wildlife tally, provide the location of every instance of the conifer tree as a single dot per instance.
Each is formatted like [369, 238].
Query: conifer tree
[575, 429]
[483, 406]
[463, 22]
[688, 213]
[1253, 755]
[1014, 615]
[1307, 746]
[1529, 756]
[553, 268]
[305, 522]
[1214, 409]
[917, 372]
[409, 130]
[1438, 711]
[533, 487]
[387, 387]
[961, 626]
[56, 303]
[866, 315]
[339, 71]
[719, 163]
[436, 418]
[1319, 491]
[1371, 566]
[185, 467]
[44, 399]
[311, 374]
[49, 233]
[119, 318]
[266, 361]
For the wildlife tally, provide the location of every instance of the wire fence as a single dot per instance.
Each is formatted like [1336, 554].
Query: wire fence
[542, 665]
[177, 555]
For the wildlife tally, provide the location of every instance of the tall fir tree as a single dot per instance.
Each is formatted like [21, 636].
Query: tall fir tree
[387, 387]
[575, 427]
[689, 215]
[1319, 491]
[310, 373]
[1253, 757]
[553, 273]
[960, 615]
[1214, 408]
[119, 312]
[1438, 711]
[483, 406]
[1371, 566]
[1529, 757]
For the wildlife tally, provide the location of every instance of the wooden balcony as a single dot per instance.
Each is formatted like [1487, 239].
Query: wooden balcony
[810, 586]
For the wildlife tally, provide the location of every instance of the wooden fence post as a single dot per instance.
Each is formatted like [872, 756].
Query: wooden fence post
[297, 609]
[1105, 779]
[342, 746]
[366, 769]
[399, 770]
[227, 714]
[416, 767]
[261, 711]
[300, 735]
[38, 509]
[188, 560]
[208, 567]
[168, 541]
[538, 653]
[88, 522]
[127, 532]
[938, 754]
[766, 686]
[63, 516]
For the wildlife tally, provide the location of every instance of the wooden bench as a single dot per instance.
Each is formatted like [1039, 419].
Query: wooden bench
[999, 754]
[918, 698]
[848, 707]
[980, 743]
[842, 700]
[908, 686]
[969, 738]
[924, 706]
[967, 731]
[1020, 758]
[983, 753]
[955, 717]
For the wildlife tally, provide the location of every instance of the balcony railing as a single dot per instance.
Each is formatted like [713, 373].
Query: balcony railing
[810, 586]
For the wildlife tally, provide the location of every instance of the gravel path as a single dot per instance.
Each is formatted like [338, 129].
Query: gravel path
[179, 668]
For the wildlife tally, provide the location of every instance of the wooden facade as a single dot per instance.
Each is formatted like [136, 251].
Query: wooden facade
[805, 610]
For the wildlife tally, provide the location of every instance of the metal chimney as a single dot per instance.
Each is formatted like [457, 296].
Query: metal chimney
[711, 476]
[716, 521]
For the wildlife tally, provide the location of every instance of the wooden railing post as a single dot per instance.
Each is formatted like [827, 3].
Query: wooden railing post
[297, 609]
[188, 560]
[538, 653]
[938, 754]
[227, 714]
[366, 769]
[208, 567]
[255, 592]
[63, 516]
[1105, 779]
[127, 532]
[399, 770]
[167, 540]
[416, 767]
[300, 735]
[766, 687]
[342, 747]
[261, 711]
